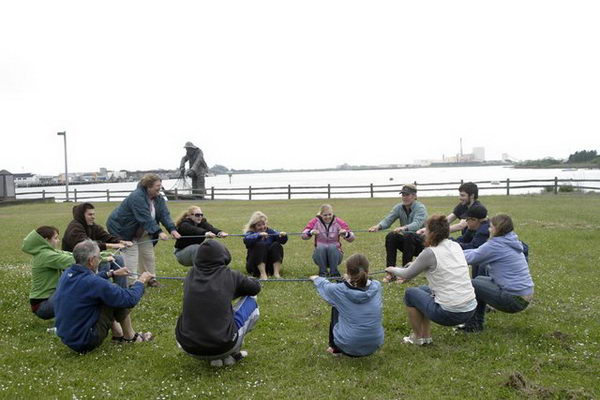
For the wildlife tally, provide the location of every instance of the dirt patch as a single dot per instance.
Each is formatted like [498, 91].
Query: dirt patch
[528, 389]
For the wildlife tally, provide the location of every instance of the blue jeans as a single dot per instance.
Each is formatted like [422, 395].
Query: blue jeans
[422, 299]
[105, 267]
[488, 292]
[327, 257]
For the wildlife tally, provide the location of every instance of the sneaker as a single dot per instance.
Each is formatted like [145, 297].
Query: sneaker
[469, 328]
[412, 339]
[229, 360]
[216, 363]
[427, 340]
[240, 356]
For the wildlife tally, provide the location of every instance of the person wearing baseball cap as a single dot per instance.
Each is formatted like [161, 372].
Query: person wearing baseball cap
[412, 215]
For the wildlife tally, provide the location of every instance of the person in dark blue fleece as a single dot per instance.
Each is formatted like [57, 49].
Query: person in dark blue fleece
[265, 247]
[475, 234]
[86, 304]
[355, 329]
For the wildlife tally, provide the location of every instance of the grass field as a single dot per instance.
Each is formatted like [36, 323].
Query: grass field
[551, 350]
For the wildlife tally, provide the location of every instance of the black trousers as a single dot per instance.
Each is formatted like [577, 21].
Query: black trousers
[335, 315]
[409, 243]
[263, 253]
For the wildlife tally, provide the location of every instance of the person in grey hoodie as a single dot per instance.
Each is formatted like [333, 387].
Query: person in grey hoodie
[509, 287]
[355, 329]
[209, 327]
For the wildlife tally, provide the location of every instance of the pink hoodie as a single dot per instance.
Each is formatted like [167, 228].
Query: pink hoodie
[328, 236]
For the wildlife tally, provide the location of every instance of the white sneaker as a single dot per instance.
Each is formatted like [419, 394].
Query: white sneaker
[216, 363]
[427, 340]
[228, 361]
[412, 339]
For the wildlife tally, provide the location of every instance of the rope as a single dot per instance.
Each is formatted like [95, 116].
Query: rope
[334, 278]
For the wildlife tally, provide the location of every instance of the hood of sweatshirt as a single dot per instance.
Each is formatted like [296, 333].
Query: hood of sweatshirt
[79, 213]
[34, 243]
[510, 240]
[212, 255]
[362, 295]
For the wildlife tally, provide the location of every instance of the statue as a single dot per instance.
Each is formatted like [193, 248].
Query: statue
[197, 170]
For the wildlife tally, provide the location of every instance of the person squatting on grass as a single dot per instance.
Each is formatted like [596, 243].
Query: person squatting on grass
[265, 247]
[209, 327]
[411, 214]
[476, 233]
[46, 267]
[137, 219]
[82, 227]
[508, 286]
[86, 304]
[449, 299]
[356, 326]
[193, 223]
[327, 229]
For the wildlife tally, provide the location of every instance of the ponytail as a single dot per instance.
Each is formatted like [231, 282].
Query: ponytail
[357, 268]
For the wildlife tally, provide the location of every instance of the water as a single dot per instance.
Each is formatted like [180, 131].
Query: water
[491, 175]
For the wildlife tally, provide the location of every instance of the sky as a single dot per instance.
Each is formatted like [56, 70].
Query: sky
[294, 84]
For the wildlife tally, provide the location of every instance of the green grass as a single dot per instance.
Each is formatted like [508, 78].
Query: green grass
[551, 350]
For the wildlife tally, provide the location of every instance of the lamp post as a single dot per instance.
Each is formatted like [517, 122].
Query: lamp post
[64, 135]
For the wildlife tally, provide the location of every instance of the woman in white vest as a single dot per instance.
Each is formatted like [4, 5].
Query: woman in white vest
[449, 299]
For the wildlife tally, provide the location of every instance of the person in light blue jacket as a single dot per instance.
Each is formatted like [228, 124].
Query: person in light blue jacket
[355, 329]
[137, 220]
[509, 287]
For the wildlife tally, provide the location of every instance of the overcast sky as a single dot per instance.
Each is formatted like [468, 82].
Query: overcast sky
[304, 84]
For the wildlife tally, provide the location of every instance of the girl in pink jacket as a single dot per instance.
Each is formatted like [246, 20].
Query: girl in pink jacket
[327, 229]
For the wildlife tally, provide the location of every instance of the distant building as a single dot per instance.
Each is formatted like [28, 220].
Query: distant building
[478, 153]
[26, 179]
[7, 185]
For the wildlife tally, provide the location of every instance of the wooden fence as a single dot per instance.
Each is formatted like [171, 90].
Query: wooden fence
[329, 191]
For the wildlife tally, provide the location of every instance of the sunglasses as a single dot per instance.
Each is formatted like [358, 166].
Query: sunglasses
[199, 215]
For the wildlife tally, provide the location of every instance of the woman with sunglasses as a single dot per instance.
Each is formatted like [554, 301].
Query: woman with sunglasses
[193, 223]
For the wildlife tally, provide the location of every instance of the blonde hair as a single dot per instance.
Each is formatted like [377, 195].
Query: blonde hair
[186, 214]
[325, 207]
[254, 219]
[149, 179]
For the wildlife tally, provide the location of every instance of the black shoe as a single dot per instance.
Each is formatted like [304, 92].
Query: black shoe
[469, 328]
[323, 274]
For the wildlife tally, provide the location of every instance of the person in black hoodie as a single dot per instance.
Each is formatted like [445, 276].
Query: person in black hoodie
[209, 327]
[193, 223]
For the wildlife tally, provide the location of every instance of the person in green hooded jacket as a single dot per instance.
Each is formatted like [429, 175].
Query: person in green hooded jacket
[46, 268]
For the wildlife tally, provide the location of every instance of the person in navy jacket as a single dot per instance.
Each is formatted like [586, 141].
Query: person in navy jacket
[86, 304]
[265, 247]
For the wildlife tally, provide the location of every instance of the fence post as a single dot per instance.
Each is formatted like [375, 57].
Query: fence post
[75, 195]
[508, 186]
[249, 192]
[43, 193]
[289, 192]
[371, 185]
[176, 194]
[462, 181]
[555, 185]
[107, 195]
[329, 190]
[212, 192]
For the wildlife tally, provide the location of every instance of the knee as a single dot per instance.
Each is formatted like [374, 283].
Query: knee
[119, 261]
[409, 295]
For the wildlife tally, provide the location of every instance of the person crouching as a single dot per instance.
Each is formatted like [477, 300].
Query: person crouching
[86, 304]
[356, 314]
[209, 327]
